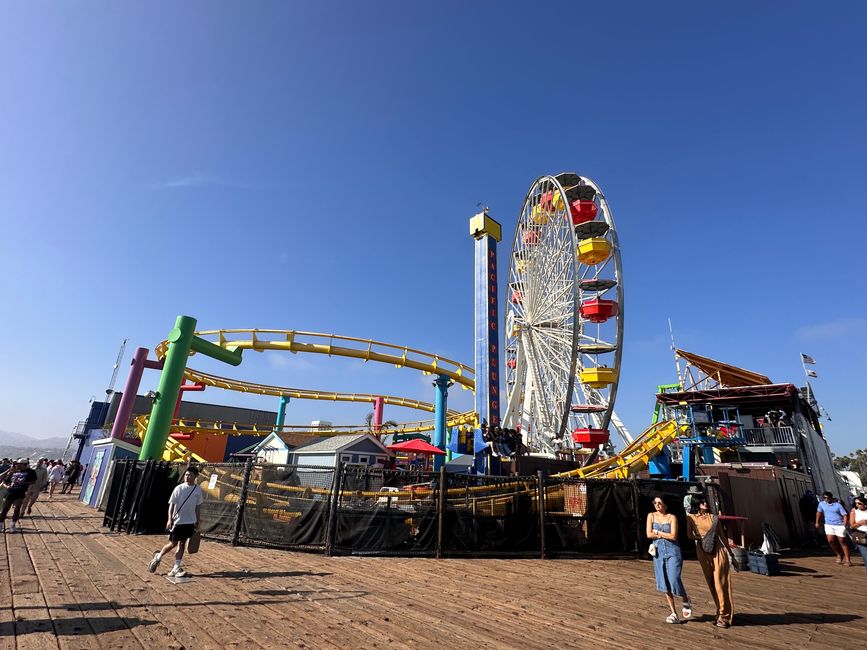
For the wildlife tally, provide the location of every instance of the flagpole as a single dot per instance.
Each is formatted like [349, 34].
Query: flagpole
[806, 378]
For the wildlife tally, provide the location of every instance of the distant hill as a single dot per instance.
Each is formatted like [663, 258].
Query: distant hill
[17, 445]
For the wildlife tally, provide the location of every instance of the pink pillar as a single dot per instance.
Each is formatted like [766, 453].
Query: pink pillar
[377, 414]
[130, 389]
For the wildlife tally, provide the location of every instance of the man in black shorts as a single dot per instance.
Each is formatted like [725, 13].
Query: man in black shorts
[184, 506]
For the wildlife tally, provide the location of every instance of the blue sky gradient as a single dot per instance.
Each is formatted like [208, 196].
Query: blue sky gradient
[313, 166]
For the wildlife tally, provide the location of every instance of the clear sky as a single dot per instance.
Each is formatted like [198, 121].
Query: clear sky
[313, 165]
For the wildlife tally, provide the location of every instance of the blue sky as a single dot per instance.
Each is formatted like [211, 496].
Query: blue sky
[313, 166]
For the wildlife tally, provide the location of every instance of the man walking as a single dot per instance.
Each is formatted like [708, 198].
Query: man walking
[33, 491]
[71, 476]
[835, 527]
[22, 477]
[184, 506]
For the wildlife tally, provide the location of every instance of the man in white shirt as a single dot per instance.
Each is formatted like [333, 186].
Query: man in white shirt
[184, 506]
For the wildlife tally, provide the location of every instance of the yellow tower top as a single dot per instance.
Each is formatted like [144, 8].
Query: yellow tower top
[481, 225]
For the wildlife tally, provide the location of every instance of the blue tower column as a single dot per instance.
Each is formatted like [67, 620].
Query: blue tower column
[486, 232]
[441, 383]
[281, 412]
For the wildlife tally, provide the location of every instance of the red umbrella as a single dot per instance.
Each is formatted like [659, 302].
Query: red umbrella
[417, 446]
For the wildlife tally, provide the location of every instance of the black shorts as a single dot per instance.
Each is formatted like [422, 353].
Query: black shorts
[182, 532]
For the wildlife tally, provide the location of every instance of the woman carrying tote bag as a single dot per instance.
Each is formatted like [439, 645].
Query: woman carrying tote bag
[703, 526]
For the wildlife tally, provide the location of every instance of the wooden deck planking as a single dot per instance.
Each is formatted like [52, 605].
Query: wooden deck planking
[73, 585]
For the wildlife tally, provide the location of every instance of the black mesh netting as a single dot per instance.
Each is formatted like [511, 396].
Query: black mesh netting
[386, 512]
[287, 506]
[366, 511]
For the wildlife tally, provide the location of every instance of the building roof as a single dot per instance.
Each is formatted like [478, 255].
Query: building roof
[727, 375]
[332, 444]
[295, 440]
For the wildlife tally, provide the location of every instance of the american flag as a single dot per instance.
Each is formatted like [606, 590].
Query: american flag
[806, 358]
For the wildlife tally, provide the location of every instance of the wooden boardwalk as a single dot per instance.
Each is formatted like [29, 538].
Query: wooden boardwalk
[67, 583]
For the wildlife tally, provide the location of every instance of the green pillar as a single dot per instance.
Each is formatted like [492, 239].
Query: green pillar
[180, 339]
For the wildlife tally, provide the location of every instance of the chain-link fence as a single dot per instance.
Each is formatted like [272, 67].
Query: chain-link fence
[366, 511]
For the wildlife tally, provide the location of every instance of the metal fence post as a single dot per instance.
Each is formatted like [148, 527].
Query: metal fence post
[136, 497]
[242, 502]
[540, 497]
[123, 489]
[441, 512]
[333, 503]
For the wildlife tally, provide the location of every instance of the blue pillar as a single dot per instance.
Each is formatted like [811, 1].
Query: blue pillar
[281, 412]
[687, 471]
[442, 384]
[486, 232]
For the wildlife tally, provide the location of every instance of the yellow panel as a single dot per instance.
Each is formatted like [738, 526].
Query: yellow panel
[598, 377]
[594, 250]
[558, 200]
[539, 215]
[481, 224]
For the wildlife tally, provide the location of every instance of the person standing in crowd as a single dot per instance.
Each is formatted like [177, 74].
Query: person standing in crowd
[70, 476]
[835, 526]
[183, 520]
[55, 476]
[703, 526]
[667, 559]
[21, 477]
[858, 525]
[34, 490]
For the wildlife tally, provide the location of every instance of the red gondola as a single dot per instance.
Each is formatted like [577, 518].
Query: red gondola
[590, 437]
[598, 310]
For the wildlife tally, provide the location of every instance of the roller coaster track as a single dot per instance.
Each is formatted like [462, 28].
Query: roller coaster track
[634, 458]
[347, 346]
[216, 427]
[197, 376]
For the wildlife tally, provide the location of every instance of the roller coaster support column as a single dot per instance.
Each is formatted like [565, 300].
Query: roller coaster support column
[486, 233]
[378, 404]
[127, 399]
[442, 384]
[181, 341]
[281, 413]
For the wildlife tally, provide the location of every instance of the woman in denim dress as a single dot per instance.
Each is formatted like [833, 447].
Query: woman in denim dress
[668, 562]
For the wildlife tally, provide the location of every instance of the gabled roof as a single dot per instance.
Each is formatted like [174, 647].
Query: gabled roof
[333, 444]
[727, 375]
[291, 440]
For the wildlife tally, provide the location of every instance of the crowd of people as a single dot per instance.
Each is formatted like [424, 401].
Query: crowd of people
[21, 485]
[715, 556]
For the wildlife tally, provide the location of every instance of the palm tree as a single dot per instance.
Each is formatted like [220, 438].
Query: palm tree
[371, 429]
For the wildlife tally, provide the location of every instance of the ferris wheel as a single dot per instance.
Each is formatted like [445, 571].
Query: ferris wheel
[564, 317]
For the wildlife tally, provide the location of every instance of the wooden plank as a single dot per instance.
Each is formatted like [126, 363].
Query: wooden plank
[262, 598]
[76, 627]
[33, 625]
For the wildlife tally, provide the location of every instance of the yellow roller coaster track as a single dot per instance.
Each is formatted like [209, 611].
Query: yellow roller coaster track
[346, 346]
[301, 393]
[634, 458]
[216, 427]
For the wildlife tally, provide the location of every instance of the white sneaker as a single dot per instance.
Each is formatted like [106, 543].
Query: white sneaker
[177, 572]
[155, 562]
[13, 528]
